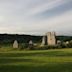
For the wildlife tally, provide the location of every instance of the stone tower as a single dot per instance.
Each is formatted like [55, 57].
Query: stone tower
[51, 40]
[43, 41]
[15, 44]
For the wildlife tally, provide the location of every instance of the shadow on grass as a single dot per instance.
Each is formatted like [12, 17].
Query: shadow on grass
[33, 65]
[65, 67]
[9, 61]
[51, 53]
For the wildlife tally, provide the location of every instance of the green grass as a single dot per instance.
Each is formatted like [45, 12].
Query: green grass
[58, 60]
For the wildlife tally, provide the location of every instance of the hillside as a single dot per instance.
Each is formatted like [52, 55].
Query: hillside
[9, 38]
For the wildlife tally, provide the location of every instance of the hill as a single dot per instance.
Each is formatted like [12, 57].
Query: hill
[9, 38]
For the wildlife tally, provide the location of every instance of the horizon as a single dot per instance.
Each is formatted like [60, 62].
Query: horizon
[30, 34]
[36, 17]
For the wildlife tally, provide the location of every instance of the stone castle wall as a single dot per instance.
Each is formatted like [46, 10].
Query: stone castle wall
[50, 40]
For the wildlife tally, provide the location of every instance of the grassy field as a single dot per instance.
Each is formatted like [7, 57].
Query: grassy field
[58, 60]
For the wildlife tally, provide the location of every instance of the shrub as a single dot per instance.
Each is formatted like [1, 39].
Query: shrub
[23, 46]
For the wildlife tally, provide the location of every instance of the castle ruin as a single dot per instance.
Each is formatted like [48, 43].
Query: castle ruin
[49, 39]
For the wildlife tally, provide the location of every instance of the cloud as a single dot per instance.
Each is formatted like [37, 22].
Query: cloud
[61, 24]
[1, 18]
[43, 5]
[56, 9]
[35, 16]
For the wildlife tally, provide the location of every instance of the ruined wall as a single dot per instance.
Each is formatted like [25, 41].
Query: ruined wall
[51, 40]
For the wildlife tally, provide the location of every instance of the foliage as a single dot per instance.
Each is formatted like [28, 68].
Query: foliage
[9, 38]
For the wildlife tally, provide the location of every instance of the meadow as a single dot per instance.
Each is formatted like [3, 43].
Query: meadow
[57, 60]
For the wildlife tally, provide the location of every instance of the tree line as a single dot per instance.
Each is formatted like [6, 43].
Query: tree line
[9, 38]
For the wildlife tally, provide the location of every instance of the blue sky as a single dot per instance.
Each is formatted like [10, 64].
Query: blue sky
[36, 16]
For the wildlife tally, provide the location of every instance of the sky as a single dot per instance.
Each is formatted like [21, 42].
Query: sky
[36, 17]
